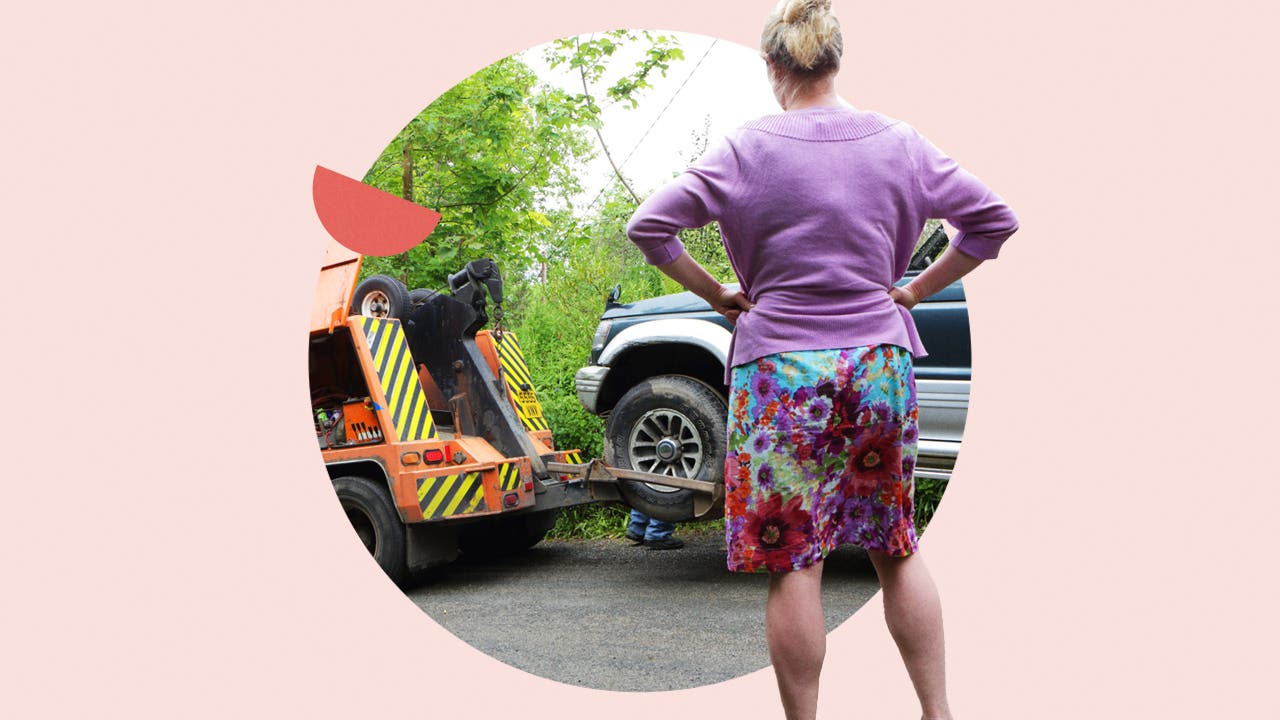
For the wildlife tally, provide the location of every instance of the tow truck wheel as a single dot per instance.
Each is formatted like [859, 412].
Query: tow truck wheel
[500, 537]
[421, 295]
[670, 425]
[380, 296]
[374, 518]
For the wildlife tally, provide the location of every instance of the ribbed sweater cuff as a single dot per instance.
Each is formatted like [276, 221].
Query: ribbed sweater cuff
[662, 253]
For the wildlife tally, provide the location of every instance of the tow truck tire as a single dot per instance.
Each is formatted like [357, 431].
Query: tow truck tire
[674, 413]
[421, 295]
[374, 518]
[380, 296]
[500, 537]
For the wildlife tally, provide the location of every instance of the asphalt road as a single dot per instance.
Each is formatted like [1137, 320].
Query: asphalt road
[607, 615]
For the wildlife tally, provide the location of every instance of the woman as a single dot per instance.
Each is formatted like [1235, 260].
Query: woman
[820, 208]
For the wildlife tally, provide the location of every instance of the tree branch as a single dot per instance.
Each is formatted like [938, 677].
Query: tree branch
[609, 156]
[501, 197]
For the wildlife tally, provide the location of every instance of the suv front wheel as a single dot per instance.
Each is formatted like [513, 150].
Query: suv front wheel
[670, 425]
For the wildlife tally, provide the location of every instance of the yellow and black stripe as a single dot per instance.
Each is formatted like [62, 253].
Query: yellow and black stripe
[573, 458]
[405, 400]
[519, 383]
[509, 476]
[446, 495]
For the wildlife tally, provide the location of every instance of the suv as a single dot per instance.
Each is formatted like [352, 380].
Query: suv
[656, 372]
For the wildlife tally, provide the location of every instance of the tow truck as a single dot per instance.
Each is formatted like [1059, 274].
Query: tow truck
[430, 426]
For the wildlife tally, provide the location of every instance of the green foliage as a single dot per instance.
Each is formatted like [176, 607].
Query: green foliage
[496, 155]
[591, 522]
[590, 57]
[928, 495]
[598, 522]
[705, 245]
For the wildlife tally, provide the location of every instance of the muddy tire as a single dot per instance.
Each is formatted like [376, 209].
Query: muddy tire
[671, 425]
[380, 296]
[373, 516]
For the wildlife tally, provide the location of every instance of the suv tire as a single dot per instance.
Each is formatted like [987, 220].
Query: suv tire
[672, 425]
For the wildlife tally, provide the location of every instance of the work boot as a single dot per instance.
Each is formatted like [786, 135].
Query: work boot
[635, 538]
[667, 543]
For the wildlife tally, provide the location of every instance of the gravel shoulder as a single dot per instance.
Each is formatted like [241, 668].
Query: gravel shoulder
[607, 615]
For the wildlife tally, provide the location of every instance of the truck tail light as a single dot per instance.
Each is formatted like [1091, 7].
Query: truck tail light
[433, 456]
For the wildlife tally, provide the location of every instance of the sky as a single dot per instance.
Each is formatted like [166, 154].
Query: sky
[718, 81]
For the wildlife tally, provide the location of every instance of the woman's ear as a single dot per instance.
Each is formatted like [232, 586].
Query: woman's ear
[770, 67]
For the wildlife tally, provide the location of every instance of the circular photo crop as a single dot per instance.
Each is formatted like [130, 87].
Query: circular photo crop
[525, 421]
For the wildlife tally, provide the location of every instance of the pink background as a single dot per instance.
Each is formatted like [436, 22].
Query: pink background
[171, 547]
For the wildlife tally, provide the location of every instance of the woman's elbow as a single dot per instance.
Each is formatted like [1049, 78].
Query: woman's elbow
[1011, 222]
[634, 226]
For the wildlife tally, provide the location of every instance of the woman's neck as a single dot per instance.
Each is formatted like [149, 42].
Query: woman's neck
[811, 101]
[801, 95]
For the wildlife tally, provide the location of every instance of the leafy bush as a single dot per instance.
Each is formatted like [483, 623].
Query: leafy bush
[598, 522]
[928, 495]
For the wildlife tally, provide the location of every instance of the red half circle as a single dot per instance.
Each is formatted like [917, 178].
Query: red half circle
[366, 219]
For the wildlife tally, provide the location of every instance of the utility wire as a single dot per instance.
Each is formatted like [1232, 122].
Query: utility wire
[655, 122]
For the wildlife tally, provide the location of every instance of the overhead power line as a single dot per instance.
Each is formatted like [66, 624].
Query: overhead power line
[655, 122]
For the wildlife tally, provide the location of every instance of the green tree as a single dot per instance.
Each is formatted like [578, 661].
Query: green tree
[496, 155]
[590, 57]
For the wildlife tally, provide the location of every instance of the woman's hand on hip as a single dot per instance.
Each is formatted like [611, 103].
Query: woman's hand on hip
[903, 297]
[730, 303]
[694, 278]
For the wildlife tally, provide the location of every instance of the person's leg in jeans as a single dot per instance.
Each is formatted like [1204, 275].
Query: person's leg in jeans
[638, 526]
[655, 534]
[658, 530]
[658, 536]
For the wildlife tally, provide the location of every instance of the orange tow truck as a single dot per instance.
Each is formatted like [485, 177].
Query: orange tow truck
[430, 427]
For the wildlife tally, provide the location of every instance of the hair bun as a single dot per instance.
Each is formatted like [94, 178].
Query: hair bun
[803, 36]
[798, 11]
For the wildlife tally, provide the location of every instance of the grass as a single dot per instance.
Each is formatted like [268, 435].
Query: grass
[928, 496]
[598, 522]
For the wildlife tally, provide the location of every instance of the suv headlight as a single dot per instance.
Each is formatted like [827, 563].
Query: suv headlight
[602, 334]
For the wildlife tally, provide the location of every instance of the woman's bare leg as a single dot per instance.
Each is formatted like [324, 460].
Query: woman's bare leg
[914, 615]
[797, 637]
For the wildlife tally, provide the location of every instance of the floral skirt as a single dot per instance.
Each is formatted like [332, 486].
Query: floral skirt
[822, 448]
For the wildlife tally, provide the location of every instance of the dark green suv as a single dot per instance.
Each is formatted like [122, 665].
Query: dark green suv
[656, 372]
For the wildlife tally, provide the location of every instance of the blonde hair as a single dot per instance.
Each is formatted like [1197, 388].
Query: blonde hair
[803, 37]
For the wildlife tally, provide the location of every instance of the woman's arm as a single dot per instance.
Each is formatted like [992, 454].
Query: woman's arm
[953, 265]
[694, 198]
[694, 278]
[982, 219]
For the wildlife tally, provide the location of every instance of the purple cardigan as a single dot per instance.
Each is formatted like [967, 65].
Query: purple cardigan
[820, 210]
